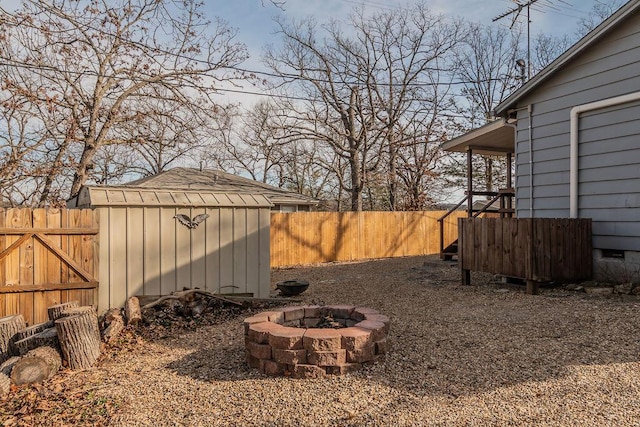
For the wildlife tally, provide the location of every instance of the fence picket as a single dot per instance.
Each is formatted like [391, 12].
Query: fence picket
[37, 250]
[317, 237]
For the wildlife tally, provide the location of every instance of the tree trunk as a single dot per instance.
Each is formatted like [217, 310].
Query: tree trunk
[79, 337]
[488, 177]
[82, 170]
[56, 311]
[356, 183]
[36, 366]
[9, 326]
[48, 337]
[393, 174]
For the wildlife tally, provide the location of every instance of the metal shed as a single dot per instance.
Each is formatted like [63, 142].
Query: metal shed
[145, 248]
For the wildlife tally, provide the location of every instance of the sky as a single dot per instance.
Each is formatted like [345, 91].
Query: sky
[256, 28]
[254, 20]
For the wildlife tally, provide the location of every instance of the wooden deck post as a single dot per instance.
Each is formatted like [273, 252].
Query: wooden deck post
[509, 185]
[466, 277]
[532, 287]
[469, 182]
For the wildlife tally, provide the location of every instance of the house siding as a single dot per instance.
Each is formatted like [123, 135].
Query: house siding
[609, 141]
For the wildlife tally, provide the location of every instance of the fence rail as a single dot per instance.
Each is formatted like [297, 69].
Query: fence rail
[316, 237]
[47, 256]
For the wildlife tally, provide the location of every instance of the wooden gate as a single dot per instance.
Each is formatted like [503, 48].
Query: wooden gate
[47, 256]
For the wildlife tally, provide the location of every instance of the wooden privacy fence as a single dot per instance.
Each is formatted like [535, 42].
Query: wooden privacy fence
[537, 250]
[47, 256]
[315, 237]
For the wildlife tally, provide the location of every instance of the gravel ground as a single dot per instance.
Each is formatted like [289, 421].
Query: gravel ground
[482, 355]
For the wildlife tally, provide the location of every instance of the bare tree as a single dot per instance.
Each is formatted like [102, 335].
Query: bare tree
[404, 54]
[486, 65]
[546, 48]
[93, 61]
[29, 157]
[332, 83]
[167, 133]
[257, 146]
[354, 91]
[600, 11]
[421, 163]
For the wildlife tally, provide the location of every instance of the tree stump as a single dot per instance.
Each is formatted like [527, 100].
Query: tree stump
[79, 338]
[9, 326]
[32, 330]
[37, 365]
[48, 337]
[5, 385]
[55, 311]
[132, 311]
[84, 310]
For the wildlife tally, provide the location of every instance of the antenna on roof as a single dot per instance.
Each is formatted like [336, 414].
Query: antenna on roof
[516, 12]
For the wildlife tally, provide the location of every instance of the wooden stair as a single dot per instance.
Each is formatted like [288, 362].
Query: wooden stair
[450, 251]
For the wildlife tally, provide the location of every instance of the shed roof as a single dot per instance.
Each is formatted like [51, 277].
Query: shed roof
[583, 44]
[99, 196]
[220, 182]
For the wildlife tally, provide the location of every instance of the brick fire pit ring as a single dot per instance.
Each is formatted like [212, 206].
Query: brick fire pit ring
[287, 341]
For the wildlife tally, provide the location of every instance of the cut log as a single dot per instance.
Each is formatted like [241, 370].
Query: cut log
[55, 311]
[114, 325]
[48, 337]
[36, 366]
[79, 337]
[9, 326]
[32, 330]
[112, 314]
[5, 385]
[7, 365]
[132, 311]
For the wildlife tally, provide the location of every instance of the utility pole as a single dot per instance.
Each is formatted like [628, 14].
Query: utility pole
[516, 12]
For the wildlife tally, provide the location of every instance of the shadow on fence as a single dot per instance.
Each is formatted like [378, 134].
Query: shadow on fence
[317, 237]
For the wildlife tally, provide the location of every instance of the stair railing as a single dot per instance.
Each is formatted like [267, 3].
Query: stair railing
[502, 195]
[443, 217]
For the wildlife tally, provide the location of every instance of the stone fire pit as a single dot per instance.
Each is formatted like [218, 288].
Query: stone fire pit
[292, 341]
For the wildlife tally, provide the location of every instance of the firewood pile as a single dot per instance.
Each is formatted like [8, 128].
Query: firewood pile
[32, 354]
[191, 308]
[74, 336]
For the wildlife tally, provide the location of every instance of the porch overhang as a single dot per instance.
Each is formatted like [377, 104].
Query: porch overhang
[495, 138]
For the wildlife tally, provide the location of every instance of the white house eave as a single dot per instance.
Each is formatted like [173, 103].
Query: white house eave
[495, 138]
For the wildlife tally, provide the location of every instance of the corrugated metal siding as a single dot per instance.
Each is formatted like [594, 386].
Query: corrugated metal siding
[145, 251]
[608, 69]
[110, 196]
